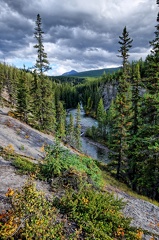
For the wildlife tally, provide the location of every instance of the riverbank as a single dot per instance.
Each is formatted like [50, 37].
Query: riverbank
[91, 148]
[95, 149]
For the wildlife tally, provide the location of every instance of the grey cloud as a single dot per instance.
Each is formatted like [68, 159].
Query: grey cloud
[15, 29]
[77, 30]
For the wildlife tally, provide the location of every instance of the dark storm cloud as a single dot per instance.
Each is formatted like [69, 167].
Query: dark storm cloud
[78, 34]
[15, 29]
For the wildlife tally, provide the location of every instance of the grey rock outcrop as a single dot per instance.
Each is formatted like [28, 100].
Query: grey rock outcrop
[109, 92]
[143, 214]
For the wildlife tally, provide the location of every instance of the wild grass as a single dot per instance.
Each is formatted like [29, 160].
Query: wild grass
[109, 180]
[24, 165]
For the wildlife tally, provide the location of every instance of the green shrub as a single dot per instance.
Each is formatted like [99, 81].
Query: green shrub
[59, 160]
[97, 214]
[88, 214]
[24, 165]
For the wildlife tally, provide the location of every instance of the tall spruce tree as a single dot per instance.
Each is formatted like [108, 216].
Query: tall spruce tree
[78, 128]
[2, 81]
[42, 63]
[44, 102]
[147, 177]
[121, 113]
[153, 60]
[35, 93]
[151, 101]
[70, 131]
[133, 148]
[11, 79]
[22, 104]
[101, 118]
[154, 57]
[125, 42]
[48, 111]
[120, 125]
[61, 120]
[136, 103]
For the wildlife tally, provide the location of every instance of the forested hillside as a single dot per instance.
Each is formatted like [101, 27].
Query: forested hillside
[92, 73]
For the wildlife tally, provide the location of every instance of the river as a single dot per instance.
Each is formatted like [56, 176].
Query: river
[89, 147]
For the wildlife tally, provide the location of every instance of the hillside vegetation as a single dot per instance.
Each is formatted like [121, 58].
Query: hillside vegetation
[81, 206]
[77, 207]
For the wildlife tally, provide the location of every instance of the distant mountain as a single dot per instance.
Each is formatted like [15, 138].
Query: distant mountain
[71, 73]
[91, 73]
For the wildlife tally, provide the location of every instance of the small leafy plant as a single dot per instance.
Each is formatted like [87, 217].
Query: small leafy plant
[9, 149]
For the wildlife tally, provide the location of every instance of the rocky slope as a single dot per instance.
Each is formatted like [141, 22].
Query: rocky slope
[143, 214]
[27, 141]
[21, 137]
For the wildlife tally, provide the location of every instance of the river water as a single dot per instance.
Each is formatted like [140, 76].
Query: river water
[89, 147]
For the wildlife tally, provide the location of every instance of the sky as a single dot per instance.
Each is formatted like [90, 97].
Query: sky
[78, 34]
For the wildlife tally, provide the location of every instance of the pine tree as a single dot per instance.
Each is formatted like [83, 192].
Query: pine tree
[70, 131]
[146, 140]
[155, 53]
[150, 109]
[121, 113]
[42, 63]
[78, 128]
[35, 93]
[119, 131]
[125, 42]
[61, 120]
[11, 79]
[22, 104]
[48, 111]
[136, 104]
[111, 116]
[88, 107]
[43, 98]
[153, 62]
[101, 118]
[2, 81]
[135, 127]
